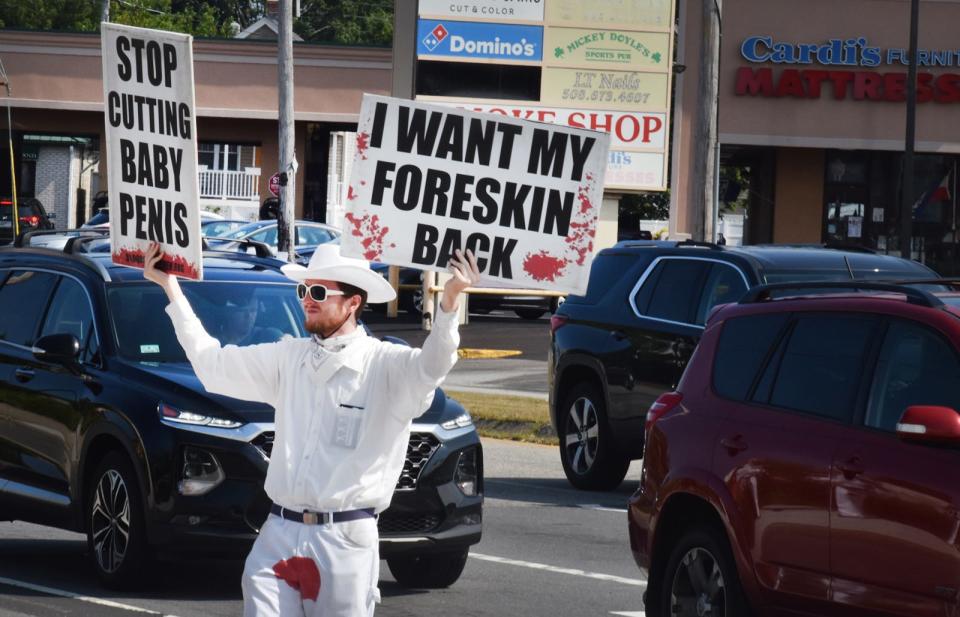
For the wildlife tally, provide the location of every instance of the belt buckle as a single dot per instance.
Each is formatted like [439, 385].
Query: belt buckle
[310, 518]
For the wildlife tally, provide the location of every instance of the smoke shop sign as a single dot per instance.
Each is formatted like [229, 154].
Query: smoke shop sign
[607, 48]
[844, 69]
[493, 10]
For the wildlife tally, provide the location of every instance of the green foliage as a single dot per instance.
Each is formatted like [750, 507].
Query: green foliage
[347, 22]
[207, 18]
[646, 206]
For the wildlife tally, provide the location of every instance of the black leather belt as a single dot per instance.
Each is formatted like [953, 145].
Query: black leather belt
[321, 518]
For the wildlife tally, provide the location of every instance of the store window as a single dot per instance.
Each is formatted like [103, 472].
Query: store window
[846, 198]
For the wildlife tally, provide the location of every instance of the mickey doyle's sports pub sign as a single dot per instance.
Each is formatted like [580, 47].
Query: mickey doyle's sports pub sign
[845, 69]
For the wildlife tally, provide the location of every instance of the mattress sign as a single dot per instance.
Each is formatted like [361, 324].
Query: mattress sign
[469, 40]
[506, 10]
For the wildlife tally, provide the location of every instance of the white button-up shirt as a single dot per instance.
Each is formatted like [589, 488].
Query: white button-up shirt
[342, 419]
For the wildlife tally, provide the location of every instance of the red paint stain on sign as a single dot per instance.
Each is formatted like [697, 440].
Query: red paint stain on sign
[363, 142]
[373, 235]
[543, 266]
[302, 574]
[350, 194]
[172, 264]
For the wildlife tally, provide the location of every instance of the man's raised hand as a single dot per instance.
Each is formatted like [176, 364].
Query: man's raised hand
[465, 273]
[152, 273]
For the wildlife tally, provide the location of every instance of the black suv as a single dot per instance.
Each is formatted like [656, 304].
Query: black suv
[616, 349]
[105, 429]
[32, 215]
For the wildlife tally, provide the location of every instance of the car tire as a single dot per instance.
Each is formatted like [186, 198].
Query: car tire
[429, 570]
[700, 578]
[590, 459]
[116, 526]
[530, 313]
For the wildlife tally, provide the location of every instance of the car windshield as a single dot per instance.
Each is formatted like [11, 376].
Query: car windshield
[240, 313]
[244, 230]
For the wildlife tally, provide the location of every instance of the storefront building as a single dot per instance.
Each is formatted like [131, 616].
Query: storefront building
[58, 120]
[812, 121]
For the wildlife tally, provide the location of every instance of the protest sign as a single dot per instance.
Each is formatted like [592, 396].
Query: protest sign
[429, 179]
[151, 147]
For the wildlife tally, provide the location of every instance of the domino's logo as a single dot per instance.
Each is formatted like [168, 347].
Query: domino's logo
[435, 37]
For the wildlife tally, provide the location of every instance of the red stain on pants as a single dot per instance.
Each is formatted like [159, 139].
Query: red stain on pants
[302, 574]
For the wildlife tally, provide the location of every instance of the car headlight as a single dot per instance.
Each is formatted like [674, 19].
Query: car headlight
[188, 417]
[467, 475]
[459, 422]
[201, 472]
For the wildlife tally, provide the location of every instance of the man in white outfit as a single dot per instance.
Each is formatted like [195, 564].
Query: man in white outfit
[344, 403]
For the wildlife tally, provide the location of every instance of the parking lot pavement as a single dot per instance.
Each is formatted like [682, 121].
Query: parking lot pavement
[525, 374]
[547, 550]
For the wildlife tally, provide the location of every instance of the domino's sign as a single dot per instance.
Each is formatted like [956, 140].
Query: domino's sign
[463, 39]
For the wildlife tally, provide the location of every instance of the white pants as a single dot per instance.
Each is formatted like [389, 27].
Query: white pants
[313, 570]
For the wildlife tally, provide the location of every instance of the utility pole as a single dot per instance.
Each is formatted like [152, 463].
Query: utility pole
[707, 149]
[105, 11]
[288, 160]
[906, 197]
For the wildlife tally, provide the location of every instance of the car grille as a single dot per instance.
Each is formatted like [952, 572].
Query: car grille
[264, 443]
[419, 450]
[408, 523]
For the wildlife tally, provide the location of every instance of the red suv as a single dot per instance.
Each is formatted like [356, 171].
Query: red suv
[808, 462]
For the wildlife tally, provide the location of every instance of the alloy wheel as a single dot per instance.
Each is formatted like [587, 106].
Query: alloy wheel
[698, 588]
[110, 521]
[582, 435]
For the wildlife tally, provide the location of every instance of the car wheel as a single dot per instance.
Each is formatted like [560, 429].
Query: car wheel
[589, 457]
[116, 529]
[429, 570]
[530, 313]
[701, 578]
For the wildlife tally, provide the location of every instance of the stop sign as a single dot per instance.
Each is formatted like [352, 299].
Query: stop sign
[275, 184]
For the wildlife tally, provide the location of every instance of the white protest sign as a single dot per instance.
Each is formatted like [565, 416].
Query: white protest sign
[429, 179]
[151, 147]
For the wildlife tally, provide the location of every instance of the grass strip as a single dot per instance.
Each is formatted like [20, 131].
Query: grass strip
[519, 418]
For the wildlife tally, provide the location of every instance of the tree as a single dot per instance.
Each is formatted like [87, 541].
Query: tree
[348, 22]
[198, 17]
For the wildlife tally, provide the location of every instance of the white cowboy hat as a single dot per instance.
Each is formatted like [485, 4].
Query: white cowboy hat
[328, 264]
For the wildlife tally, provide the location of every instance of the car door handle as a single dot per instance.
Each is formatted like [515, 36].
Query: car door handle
[619, 335]
[734, 445]
[24, 375]
[852, 467]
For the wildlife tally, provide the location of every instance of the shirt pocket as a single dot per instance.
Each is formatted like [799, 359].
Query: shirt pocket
[352, 394]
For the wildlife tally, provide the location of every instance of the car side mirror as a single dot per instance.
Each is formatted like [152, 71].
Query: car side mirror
[930, 424]
[58, 349]
[51, 216]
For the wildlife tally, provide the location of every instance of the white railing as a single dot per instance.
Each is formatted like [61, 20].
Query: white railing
[222, 185]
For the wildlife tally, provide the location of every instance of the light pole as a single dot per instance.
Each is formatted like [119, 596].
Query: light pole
[906, 197]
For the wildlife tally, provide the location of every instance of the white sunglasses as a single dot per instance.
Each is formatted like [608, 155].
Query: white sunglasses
[318, 292]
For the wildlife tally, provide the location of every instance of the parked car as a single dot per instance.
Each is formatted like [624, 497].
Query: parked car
[218, 227]
[99, 401]
[307, 234]
[806, 462]
[614, 350]
[32, 216]
[102, 218]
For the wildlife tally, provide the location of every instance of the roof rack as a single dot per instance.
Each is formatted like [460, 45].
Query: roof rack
[850, 248]
[914, 296]
[23, 239]
[698, 243]
[667, 243]
[262, 249]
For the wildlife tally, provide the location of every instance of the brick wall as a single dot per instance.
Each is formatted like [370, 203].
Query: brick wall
[55, 174]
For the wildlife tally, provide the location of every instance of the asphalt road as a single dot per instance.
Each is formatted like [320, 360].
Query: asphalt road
[524, 374]
[547, 550]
